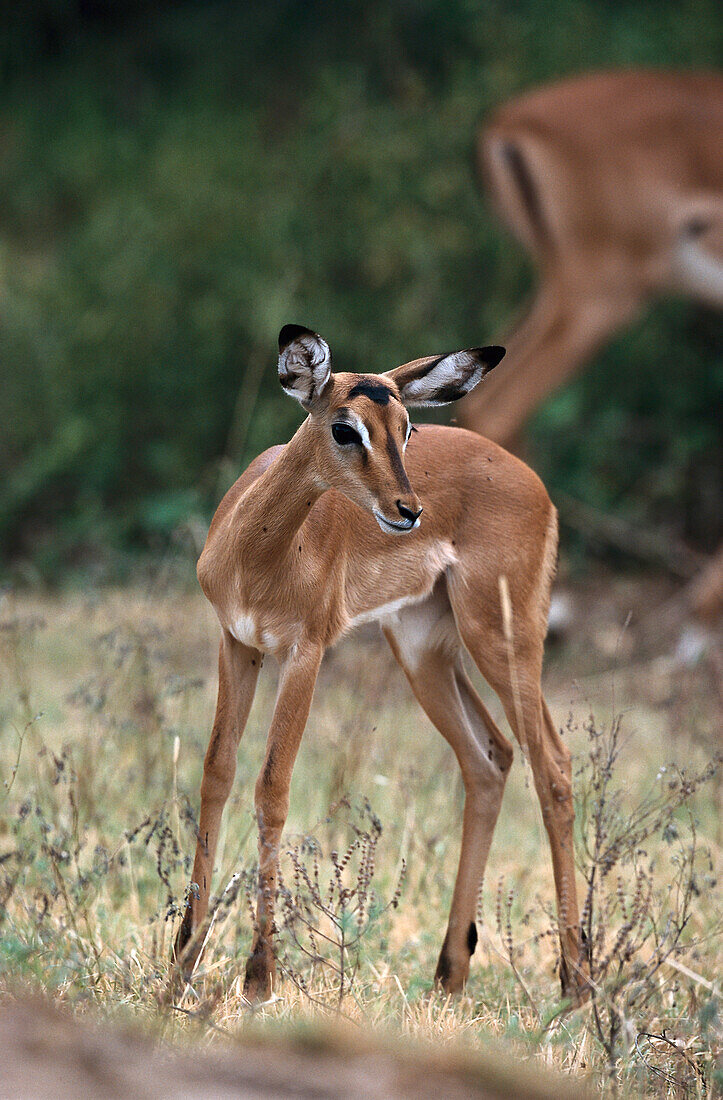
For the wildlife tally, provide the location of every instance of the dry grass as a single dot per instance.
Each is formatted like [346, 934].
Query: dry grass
[106, 704]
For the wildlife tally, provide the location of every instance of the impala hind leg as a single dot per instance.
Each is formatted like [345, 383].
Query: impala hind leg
[238, 670]
[293, 701]
[551, 767]
[424, 640]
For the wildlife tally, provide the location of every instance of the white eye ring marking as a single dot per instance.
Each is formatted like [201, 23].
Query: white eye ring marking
[356, 422]
[408, 436]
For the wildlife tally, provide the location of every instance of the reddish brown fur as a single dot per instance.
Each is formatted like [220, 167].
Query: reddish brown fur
[294, 557]
[614, 175]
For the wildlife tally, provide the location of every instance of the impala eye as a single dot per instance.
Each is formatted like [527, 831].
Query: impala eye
[344, 434]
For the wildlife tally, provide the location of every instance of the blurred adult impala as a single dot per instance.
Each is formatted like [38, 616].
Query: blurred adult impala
[614, 182]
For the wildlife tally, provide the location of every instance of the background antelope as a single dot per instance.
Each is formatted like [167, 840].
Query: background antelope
[614, 182]
[294, 559]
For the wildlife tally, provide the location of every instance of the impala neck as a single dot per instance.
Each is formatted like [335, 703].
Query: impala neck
[273, 509]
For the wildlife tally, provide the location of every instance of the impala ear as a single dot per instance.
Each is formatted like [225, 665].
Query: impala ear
[439, 379]
[304, 363]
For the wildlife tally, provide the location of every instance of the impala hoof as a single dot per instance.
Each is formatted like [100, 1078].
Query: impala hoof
[182, 957]
[451, 976]
[575, 988]
[453, 965]
[260, 974]
[577, 993]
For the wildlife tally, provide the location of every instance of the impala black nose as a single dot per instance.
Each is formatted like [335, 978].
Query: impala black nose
[407, 513]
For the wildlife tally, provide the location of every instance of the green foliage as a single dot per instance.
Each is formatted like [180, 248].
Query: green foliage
[180, 181]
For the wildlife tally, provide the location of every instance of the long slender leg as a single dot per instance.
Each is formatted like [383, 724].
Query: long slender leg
[553, 780]
[564, 327]
[293, 701]
[550, 761]
[238, 669]
[424, 640]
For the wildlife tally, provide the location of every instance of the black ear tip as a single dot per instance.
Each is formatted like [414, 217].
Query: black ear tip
[491, 355]
[291, 332]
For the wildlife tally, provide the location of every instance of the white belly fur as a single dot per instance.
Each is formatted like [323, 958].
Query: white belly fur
[245, 629]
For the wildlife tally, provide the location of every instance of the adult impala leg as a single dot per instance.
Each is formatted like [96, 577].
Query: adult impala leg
[293, 701]
[238, 670]
[563, 329]
[443, 689]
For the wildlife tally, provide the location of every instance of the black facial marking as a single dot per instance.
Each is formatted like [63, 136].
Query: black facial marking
[375, 391]
[396, 463]
[471, 937]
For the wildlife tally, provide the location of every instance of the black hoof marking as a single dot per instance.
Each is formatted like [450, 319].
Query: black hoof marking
[444, 967]
[471, 937]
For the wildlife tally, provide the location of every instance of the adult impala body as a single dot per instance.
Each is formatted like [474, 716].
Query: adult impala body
[359, 518]
[614, 182]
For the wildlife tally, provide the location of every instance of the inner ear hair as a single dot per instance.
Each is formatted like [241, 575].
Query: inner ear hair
[293, 332]
[304, 363]
[441, 379]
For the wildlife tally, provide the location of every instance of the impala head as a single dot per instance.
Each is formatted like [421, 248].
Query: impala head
[359, 422]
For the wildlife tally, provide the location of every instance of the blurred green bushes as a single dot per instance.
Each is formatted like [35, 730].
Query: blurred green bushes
[178, 181]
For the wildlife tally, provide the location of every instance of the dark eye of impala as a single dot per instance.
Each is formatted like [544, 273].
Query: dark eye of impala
[345, 434]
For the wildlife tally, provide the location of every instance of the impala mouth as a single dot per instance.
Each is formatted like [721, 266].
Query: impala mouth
[396, 528]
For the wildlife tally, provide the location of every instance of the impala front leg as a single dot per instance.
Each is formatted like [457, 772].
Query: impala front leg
[238, 670]
[296, 688]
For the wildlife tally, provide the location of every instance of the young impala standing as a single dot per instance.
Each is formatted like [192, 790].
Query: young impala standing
[359, 519]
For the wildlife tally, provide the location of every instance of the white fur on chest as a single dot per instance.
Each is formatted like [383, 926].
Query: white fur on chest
[247, 630]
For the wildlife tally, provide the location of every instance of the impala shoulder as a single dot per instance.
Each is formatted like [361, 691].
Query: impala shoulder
[259, 465]
[483, 464]
[252, 472]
